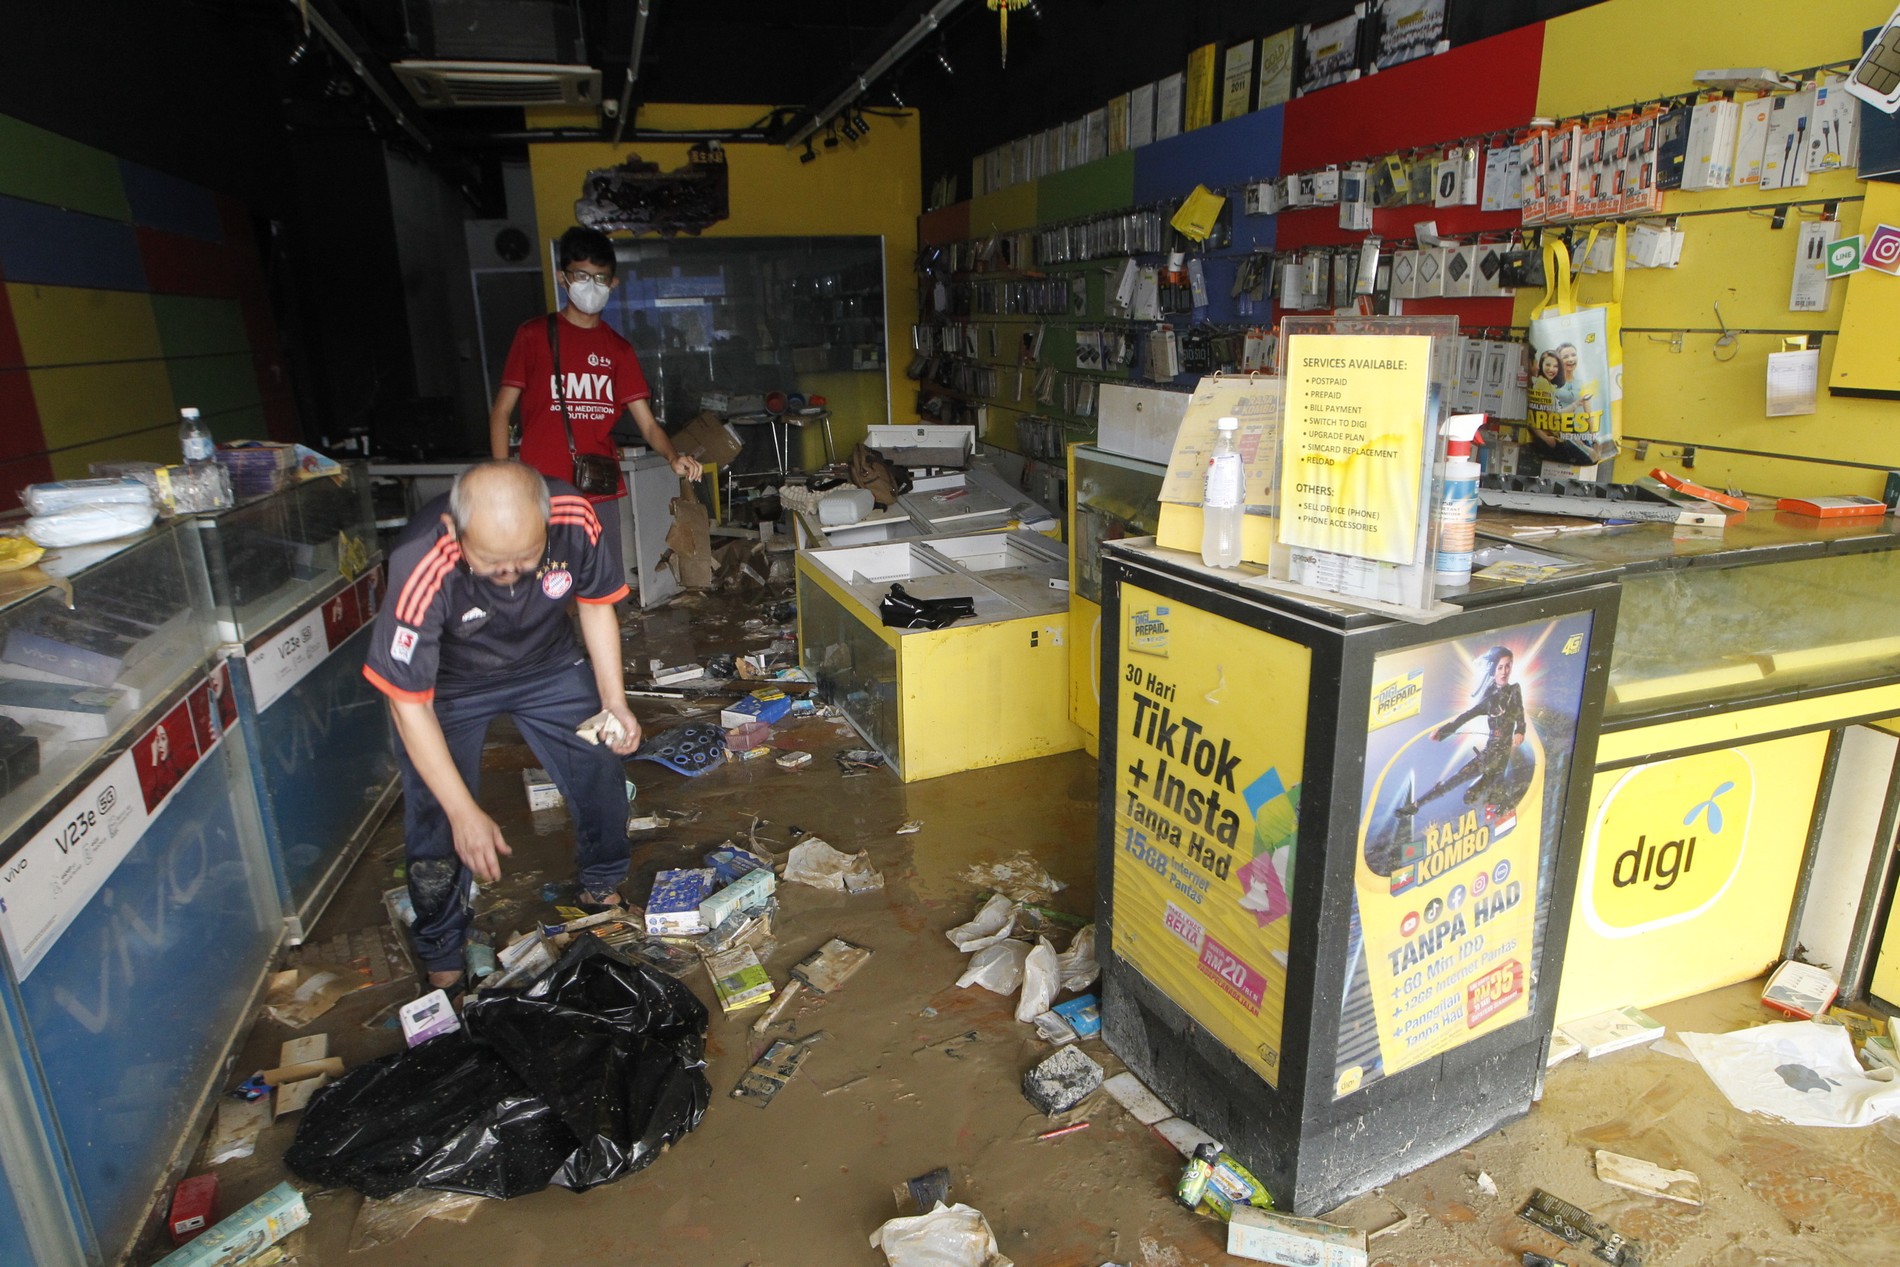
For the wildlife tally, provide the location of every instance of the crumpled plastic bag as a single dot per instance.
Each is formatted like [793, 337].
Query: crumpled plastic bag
[1798, 1071]
[575, 1081]
[87, 524]
[948, 1236]
[816, 863]
[1019, 876]
[1078, 964]
[993, 924]
[998, 968]
[1041, 980]
[387, 1221]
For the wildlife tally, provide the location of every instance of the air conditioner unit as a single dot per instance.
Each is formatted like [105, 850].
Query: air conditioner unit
[447, 84]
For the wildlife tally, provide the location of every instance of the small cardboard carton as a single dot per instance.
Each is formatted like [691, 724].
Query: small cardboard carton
[709, 438]
[542, 794]
[690, 539]
[673, 907]
[428, 1016]
[249, 1232]
[768, 706]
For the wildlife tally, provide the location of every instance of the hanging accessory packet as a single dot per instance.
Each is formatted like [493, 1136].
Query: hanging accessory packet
[595, 475]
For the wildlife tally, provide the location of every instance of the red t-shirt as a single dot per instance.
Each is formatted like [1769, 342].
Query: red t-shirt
[602, 375]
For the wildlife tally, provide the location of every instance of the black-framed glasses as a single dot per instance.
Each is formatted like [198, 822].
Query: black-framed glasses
[580, 275]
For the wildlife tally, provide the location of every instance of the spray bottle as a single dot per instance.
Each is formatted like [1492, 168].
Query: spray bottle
[1458, 501]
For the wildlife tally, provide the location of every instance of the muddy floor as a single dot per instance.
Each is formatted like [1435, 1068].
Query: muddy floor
[915, 1074]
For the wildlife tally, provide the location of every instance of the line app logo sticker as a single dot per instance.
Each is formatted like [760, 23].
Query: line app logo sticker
[1658, 855]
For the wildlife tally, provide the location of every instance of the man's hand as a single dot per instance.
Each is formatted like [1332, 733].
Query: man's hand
[687, 467]
[479, 845]
[630, 743]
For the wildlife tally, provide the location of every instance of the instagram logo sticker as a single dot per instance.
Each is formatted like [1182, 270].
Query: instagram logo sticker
[1883, 250]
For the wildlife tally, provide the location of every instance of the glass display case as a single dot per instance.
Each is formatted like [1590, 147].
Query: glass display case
[271, 557]
[985, 690]
[137, 906]
[1736, 634]
[85, 657]
[296, 583]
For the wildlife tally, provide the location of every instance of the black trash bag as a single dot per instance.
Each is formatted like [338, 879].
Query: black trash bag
[573, 1082]
[902, 610]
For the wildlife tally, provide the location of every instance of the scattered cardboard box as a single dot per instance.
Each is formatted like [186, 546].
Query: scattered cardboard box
[709, 438]
[246, 1233]
[542, 794]
[428, 1017]
[1267, 1236]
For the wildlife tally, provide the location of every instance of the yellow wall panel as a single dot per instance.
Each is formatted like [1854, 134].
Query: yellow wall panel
[1006, 209]
[1870, 356]
[1629, 50]
[160, 444]
[68, 325]
[868, 187]
[1632, 50]
[95, 401]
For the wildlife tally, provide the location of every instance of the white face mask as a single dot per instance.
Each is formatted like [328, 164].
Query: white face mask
[588, 295]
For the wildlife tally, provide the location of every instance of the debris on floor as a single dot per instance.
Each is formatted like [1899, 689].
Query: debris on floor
[1637, 1175]
[298, 996]
[1019, 877]
[1267, 1236]
[1800, 990]
[739, 980]
[998, 968]
[1579, 1227]
[239, 1238]
[947, 1236]
[1799, 1071]
[1614, 1030]
[235, 1130]
[538, 1090]
[924, 1193]
[816, 863]
[386, 1221]
[1062, 1081]
[992, 924]
[194, 1208]
[831, 965]
[771, 1071]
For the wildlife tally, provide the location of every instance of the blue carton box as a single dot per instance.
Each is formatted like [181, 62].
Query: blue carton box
[767, 706]
[673, 908]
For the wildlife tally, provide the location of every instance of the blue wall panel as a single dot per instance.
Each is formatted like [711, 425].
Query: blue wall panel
[166, 202]
[1243, 149]
[63, 248]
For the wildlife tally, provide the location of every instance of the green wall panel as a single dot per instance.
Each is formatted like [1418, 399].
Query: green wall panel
[1108, 184]
[42, 167]
[200, 327]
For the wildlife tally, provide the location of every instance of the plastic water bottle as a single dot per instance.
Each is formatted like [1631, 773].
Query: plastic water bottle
[1222, 507]
[195, 438]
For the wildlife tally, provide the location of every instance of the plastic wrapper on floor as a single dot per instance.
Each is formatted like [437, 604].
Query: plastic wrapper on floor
[576, 1080]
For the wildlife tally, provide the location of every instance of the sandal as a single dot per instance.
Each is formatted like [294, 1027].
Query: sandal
[614, 902]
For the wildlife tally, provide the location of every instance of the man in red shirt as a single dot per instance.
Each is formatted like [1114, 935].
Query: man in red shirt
[600, 376]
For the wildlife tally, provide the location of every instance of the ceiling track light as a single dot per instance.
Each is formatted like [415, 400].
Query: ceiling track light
[943, 60]
[809, 153]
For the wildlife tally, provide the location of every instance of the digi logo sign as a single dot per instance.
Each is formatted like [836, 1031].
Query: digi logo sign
[1667, 842]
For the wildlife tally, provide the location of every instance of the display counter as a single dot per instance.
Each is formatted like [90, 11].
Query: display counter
[297, 578]
[987, 690]
[1593, 789]
[958, 502]
[140, 910]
